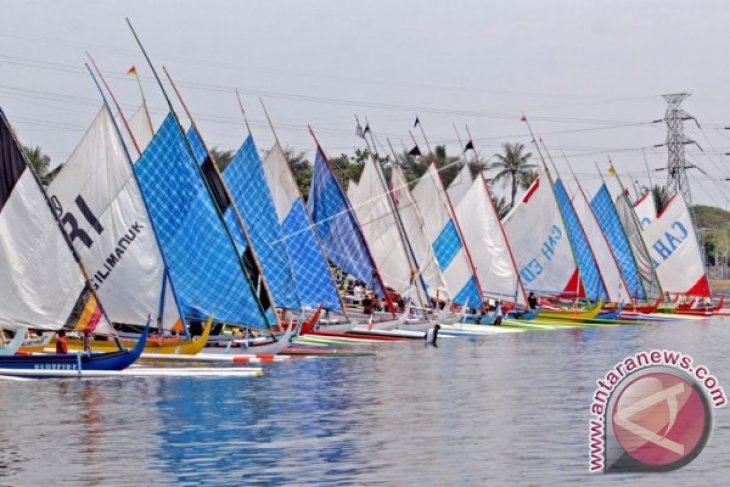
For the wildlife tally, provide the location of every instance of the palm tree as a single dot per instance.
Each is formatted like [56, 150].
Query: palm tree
[513, 166]
[661, 196]
[501, 205]
[39, 161]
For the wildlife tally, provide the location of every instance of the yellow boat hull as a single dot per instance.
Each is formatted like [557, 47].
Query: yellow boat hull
[572, 315]
[164, 346]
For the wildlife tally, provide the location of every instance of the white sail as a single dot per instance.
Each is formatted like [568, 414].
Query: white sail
[420, 246]
[607, 266]
[674, 250]
[140, 125]
[645, 209]
[443, 234]
[460, 185]
[489, 248]
[633, 233]
[371, 202]
[41, 284]
[105, 216]
[540, 243]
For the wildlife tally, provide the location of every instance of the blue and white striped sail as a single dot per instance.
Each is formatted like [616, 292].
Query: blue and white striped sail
[247, 184]
[439, 226]
[337, 225]
[607, 217]
[312, 275]
[592, 281]
[201, 259]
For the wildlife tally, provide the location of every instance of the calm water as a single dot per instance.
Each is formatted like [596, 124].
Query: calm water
[501, 409]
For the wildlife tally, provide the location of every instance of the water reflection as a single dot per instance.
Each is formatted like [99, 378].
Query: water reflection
[510, 408]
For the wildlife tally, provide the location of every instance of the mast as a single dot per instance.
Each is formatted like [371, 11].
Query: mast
[205, 181]
[482, 168]
[410, 256]
[637, 226]
[552, 188]
[354, 217]
[452, 212]
[301, 196]
[136, 181]
[66, 237]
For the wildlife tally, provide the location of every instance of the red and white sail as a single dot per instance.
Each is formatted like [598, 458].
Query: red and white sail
[540, 243]
[645, 209]
[675, 252]
[104, 213]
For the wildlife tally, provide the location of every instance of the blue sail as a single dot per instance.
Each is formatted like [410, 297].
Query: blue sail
[336, 225]
[244, 176]
[201, 260]
[611, 225]
[589, 273]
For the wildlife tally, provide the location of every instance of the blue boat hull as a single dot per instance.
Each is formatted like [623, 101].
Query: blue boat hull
[118, 360]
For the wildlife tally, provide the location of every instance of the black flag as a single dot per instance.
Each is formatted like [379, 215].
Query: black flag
[12, 161]
[367, 128]
[469, 146]
[415, 124]
[415, 151]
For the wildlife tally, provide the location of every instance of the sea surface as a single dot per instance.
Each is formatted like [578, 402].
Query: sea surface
[511, 409]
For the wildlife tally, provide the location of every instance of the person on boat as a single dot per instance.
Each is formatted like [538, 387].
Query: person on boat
[498, 311]
[367, 304]
[61, 342]
[532, 300]
[432, 335]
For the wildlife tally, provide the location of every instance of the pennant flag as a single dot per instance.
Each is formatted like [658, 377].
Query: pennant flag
[611, 170]
[415, 124]
[359, 131]
[41, 283]
[202, 262]
[469, 146]
[416, 151]
[523, 118]
[132, 70]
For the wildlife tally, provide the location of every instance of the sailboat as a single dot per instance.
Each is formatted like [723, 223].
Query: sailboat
[44, 284]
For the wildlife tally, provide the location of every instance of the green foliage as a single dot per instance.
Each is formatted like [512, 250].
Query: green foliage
[513, 168]
[221, 157]
[501, 205]
[40, 163]
[301, 168]
[713, 225]
[661, 197]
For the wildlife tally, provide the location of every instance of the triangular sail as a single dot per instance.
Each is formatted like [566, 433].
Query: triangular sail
[608, 218]
[616, 288]
[460, 185]
[675, 252]
[638, 247]
[203, 263]
[540, 245]
[246, 182]
[589, 273]
[140, 126]
[312, 275]
[41, 283]
[443, 234]
[645, 209]
[489, 248]
[337, 226]
[413, 223]
[371, 202]
[105, 216]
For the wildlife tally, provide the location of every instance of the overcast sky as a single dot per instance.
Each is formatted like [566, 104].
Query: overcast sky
[588, 73]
